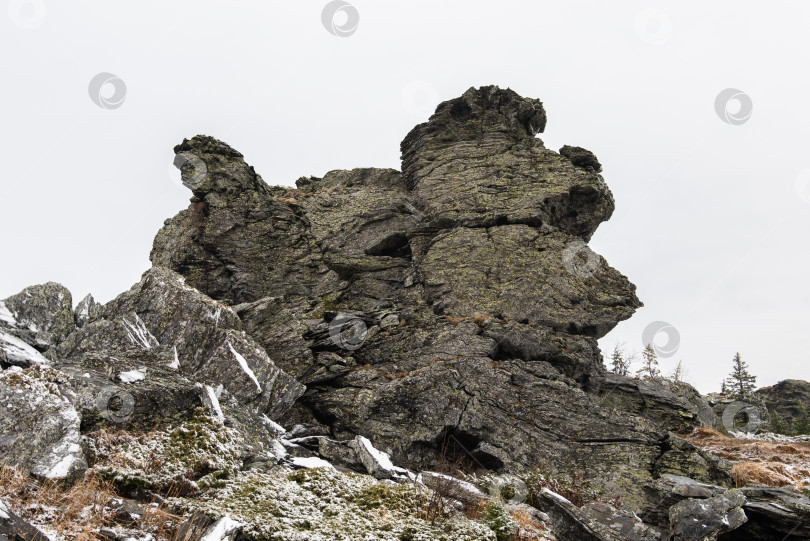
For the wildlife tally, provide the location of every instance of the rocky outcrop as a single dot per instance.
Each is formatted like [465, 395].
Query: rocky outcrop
[394, 322]
[594, 522]
[452, 308]
[155, 340]
[776, 514]
[790, 399]
[31, 322]
[673, 404]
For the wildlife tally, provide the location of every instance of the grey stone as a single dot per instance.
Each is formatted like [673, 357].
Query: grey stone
[39, 427]
[705, 519]
[14, 528]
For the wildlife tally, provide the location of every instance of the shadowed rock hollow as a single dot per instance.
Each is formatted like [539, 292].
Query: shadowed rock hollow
[468, 276]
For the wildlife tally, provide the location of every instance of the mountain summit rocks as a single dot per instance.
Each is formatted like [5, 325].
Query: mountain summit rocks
[444, 314]
[470, 276]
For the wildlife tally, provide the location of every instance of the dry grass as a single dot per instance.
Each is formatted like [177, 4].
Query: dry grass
[528, 529]
[774, 464]
[75, 512]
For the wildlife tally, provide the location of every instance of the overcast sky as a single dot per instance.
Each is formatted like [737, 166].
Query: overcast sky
[712, 210]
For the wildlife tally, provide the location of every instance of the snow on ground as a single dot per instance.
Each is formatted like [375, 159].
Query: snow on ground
[133, 376]
[770, 436]
[6, 316]
[245, 368]
[3, 510]
[139, 334]
[221, 529]
[18, 351]
[310, 462]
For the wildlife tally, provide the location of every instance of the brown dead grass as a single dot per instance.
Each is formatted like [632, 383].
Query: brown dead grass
[75, 512]
[773, 464]
[528, 529]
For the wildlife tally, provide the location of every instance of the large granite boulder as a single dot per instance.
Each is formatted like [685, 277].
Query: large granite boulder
[45, 310]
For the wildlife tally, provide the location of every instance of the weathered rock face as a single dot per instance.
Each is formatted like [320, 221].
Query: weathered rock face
[675, 405]
[31, 322]
[774, 514]
[445, 314]
[452, 308]
[704, 520]
[786, 398]
[39, 427]
[45, 310]
[157, 334]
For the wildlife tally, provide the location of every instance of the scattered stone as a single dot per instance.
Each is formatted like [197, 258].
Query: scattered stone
[774, 513]
[194, 528]
[13, 528]
[597, 523]
[704, 520]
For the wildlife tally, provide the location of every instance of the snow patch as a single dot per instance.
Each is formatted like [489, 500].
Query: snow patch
[4, 511]
[310, 462]
[139, 334]
[245, 368]
[382, 459]
[63, 467]
[6, 316]
[272, 425]
[17, 350]
[212, 396]
[133, 376]
[175, 364]
[221, 529]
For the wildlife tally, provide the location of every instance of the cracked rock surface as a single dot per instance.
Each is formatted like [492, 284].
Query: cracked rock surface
[467, 278]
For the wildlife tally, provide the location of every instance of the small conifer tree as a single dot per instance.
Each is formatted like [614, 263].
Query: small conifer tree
[741, 383]
[649, 366]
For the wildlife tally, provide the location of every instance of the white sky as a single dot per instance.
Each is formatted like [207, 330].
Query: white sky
[710, 223]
